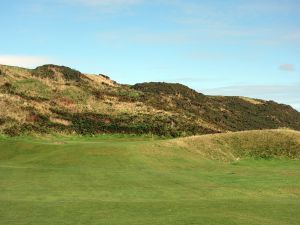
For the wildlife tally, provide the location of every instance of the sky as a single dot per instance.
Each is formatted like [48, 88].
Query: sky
[233, 47]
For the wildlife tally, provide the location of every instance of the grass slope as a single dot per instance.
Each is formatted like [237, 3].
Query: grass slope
[247, 144]
[116, 180]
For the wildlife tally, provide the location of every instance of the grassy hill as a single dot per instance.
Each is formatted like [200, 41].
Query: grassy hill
[55, 99]
[122, 179]
[259, 144]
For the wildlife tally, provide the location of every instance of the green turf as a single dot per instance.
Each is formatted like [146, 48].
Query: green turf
[116, 180]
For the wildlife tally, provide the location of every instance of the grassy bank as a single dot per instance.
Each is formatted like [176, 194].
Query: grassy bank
[119, 180]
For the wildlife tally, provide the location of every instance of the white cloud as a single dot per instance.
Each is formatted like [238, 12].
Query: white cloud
[287, 94]
[23, 60]
[287, 67]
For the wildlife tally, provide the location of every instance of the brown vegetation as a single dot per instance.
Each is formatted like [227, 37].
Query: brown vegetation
[54, 98]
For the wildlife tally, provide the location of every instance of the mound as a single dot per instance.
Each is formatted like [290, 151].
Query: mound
[168, 89]
[248, 144]
[56, 72]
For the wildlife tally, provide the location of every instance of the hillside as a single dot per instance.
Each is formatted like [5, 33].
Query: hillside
[143, 180]
[57, 99]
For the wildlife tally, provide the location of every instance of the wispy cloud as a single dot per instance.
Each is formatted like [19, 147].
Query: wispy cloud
[282, 37]
[109, 2]
[188, 80]
[288, 94]
[205, 56]
[23, 61]
[220, 21]
[257, 89]
[145, 37]
[107, 6]
[287, 67]
[269, 6]
[292, 36]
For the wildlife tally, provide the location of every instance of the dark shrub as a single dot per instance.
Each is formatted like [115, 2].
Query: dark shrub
[2, 121]
[174, 89]
[48, 71]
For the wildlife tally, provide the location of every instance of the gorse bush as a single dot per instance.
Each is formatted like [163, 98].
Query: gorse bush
[88, 123]
[50, 71]
[168, 89]
[2, 121]
[70, 74]
[44, 72]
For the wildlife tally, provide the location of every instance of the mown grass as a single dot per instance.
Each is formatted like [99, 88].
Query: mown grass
[116, 180]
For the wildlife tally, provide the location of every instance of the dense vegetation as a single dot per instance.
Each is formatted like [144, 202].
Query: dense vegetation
[169, 89]
[58, 99]
[52, 71]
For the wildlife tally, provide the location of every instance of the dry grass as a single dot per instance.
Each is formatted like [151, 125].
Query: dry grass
[11, 107]
[233, 146]
[100, 80]
[15, 72]
[251, 100]
[60, 121]
[208, 125]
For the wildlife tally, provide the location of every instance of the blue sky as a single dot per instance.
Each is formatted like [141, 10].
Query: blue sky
[232, 47]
